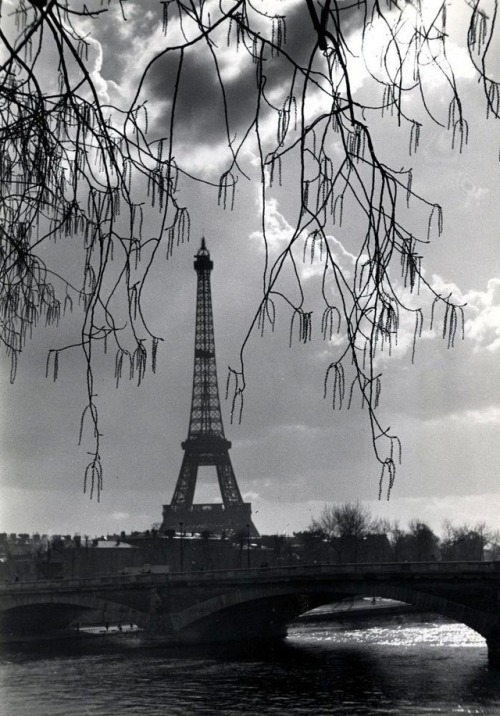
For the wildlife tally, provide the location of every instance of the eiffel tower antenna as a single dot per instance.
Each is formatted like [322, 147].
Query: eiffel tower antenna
[206, 443]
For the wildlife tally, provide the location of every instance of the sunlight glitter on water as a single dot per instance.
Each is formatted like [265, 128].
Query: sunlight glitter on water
[432, 634]
[456, 635]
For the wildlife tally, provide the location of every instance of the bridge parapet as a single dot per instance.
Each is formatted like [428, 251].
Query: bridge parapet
[262, 574]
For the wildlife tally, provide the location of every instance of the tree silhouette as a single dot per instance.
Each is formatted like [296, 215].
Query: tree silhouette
[464, 542]
[344, 525]
[79, 169]
[348, 519]
[422, 543]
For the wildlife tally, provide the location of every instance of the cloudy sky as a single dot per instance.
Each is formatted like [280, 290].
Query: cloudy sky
[291, 453]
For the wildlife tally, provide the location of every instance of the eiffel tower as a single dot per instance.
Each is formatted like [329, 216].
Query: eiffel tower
[206, 443]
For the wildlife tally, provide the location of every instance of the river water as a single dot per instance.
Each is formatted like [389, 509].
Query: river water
[411, 665]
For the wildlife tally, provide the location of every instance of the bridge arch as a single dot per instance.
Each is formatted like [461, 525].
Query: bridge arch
[265, 610]
[479, 621]
[45, 612]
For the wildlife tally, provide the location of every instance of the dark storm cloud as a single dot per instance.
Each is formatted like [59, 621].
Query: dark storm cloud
[200, 110]
[200, 103]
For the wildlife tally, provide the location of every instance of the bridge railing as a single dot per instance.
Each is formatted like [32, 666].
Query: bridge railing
[351, 568]
[253, 573]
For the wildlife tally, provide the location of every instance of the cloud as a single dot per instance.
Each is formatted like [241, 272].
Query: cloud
[251, 496]
[481, 310]
[484, 327]
[120, 516]
[489, 415]
[278, 231]
[123, 48]
[310, 255]
[459, 509]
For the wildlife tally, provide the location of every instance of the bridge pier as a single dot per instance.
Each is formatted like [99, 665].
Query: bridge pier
[493, 644]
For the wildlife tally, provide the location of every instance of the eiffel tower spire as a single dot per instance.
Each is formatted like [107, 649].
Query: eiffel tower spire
[206, 443]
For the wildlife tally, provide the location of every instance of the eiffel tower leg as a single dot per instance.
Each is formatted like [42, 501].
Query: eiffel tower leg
[186, 482]
[229, 489]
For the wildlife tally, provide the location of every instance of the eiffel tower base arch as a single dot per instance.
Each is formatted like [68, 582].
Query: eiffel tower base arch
[218, 519]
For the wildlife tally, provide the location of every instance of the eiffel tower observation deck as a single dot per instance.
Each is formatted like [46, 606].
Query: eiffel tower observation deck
[206, 443]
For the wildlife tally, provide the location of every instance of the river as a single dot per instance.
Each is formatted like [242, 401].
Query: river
[411, 665]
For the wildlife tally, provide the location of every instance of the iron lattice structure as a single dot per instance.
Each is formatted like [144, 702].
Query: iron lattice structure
[206, 443]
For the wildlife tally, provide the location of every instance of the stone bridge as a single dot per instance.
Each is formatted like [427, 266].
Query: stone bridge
[250, 603]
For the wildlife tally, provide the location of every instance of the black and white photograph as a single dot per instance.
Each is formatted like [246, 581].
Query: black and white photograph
[250, 366]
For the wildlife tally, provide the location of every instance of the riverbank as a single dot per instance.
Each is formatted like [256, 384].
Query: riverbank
[357, 609]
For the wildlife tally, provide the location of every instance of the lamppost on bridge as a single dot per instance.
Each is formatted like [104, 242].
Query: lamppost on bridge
[248, 546]
[182, 546]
